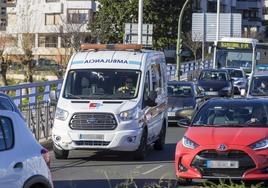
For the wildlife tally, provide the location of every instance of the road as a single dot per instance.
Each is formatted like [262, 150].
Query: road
[86, 169]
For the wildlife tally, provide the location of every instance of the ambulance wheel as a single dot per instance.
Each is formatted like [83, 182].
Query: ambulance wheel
[60, 154]
[160, 142]
[141, 152]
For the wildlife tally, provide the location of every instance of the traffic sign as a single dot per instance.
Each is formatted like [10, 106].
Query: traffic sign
[131, 34]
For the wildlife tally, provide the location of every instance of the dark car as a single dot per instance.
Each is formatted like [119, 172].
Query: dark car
[183, 98]
[6, 103]
[215, 83]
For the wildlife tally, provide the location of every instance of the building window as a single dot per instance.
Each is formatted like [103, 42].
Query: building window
[3, 22]
[77, 16]
[52, 19]
[48, 41]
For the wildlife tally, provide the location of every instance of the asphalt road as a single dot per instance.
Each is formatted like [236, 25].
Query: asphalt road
[86, 169]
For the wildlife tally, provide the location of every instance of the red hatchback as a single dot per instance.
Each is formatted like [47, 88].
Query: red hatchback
[227, 138]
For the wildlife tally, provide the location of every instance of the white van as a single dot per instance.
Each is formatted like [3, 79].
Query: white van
[98, 107]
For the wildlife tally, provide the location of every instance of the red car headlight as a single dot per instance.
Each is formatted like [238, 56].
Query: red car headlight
[262, 144]
[186, 142]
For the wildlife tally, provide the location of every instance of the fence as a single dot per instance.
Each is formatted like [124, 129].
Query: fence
[187, 68]
[33, 100]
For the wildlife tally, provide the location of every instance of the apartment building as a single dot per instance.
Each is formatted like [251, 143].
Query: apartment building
[51, 26]
[251, 10]
[3, 12]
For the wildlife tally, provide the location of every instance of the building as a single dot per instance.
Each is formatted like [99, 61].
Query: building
[3, 12]
[251, 11]
[49, 26]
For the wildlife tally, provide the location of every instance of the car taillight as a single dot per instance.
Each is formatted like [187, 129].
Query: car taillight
[46, 156]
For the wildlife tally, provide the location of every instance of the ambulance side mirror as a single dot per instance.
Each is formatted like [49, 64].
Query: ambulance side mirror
[151, 99]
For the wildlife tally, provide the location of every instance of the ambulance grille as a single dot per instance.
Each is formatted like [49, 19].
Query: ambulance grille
[93, 121]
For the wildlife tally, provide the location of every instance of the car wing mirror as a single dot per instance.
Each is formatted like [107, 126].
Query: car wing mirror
[243, 92]
[184, 123]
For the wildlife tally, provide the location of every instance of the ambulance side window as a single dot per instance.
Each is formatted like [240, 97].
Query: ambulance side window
[156, 77]
[146, 90]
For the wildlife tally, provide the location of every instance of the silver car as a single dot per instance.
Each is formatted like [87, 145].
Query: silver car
[239, 78]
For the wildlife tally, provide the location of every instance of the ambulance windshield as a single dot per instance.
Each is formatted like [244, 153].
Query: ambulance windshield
[102, 84]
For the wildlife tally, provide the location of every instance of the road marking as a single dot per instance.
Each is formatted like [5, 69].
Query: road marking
[149, 171]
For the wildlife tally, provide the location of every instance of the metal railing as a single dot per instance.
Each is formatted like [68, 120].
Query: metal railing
[188, 68]
[33, 101]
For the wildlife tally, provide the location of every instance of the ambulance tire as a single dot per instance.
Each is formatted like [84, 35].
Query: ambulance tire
[160, 142]
[141, 152]
[60, 154]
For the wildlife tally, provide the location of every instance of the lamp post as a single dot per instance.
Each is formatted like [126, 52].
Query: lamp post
[140, 21]
[178, 48]
[217, 31]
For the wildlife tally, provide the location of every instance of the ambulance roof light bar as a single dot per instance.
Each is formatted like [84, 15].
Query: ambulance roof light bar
[111, 47]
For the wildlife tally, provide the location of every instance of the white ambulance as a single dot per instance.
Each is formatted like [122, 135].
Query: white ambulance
[114, 97]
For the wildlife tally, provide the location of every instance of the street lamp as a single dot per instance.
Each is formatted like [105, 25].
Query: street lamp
[217, 31]
[178, 48]
[140, 21]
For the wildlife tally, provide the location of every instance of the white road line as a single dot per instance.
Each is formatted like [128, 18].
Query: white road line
[149, 171]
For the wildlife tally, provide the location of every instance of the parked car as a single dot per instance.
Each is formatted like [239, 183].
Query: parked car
[24, 162]
[258, 85]
[6, 103]
[239, 79]
[183, 99]
[227, 138]
[215, 83]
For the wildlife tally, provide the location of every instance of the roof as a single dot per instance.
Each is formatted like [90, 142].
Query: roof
[242, 100]
[233, 69]
[4, 95]
[215, 70]
[261, 73]
[174, 82]
[110, 59]
[241, 40]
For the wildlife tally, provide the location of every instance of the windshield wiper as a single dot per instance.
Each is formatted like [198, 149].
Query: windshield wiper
[72, 95]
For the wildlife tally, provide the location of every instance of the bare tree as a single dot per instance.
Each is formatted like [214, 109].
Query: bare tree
[192, 43]
[73, 34]
[5, 42]
[26, 39]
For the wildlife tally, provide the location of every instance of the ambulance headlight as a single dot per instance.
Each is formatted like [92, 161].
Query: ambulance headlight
[61, 114]
[129, 114]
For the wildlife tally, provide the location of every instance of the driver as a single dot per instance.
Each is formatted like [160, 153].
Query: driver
[263, 88]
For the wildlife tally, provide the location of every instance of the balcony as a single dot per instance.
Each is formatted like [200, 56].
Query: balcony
[86, 4]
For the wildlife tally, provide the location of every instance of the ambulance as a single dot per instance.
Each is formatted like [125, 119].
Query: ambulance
[113, 97]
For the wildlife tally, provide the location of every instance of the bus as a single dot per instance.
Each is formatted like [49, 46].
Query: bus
[235, 53]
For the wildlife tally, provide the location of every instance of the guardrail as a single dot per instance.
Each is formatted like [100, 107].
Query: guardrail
[33, 101]
[31, 93]
[187, 68]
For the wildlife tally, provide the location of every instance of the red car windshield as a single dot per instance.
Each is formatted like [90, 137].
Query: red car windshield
[232, 113]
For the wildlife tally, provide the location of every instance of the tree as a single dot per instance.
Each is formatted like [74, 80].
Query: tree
[109, 22]
[26, 37]
[191, 42]
[27, 47]
[5, 42]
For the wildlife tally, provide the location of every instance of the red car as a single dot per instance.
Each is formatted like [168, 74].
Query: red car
[227, 138]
